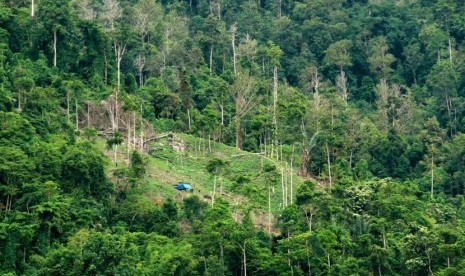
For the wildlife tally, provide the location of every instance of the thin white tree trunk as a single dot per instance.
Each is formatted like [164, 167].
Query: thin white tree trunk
[77, 113]
[432, 176]
[269, 210]
[450, 50]
[211, 60]
[283, 189]
[292, 170]
[68, 99]
[19, 100]
[329, 166]
[275, 106]
[128, 144]
[55, 47]
[233, 38]
[32, 9]
[134, 130]
[285, 185]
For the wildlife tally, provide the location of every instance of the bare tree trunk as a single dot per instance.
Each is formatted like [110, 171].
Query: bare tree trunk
[119, 53]
[55, 47]
[211, 60]
[432, 177]
[128, 144]
[106, 66]
[141, 131]
[77, 113]
[222, 122]
[282, 187]
[233, 41]
[269, 210]
[238, 132]
[285, 184]
[275, 106]
[32, 9]
[292, 170]
[68, 99]
[329, 166]
[450, 50]
[134, 130]
[19, 100]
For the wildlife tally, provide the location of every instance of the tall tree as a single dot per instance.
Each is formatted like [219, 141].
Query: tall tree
[56, 16]
[338, 54]
[244, 93]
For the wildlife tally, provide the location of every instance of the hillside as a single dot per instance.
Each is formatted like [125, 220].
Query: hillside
[321, 137]
[244, 179]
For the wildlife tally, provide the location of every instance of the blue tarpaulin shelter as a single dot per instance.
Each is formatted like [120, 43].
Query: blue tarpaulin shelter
[183, 186]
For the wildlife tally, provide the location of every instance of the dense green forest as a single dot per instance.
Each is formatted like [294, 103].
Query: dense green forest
[323, 137]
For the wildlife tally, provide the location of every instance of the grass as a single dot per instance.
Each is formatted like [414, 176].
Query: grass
[246, 179]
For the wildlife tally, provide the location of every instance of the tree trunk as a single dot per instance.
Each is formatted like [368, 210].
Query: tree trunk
[244, 256]
[68, 99]
[238, 132]
[282, 187]
[450, 50]
[211, 60]
[269, 211]
[432, 177]
[55, 47]
[275, 106]
[19, 100]
[233, 38]
[128, 144]
[292, 170]
[329, 166]
[32, 9]
[77, 113]
[106, 66]
[222, 123]
[308, 258]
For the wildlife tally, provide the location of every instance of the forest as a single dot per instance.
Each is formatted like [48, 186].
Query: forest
[322, 137]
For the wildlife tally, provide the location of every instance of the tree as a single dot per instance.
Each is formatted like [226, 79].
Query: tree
[84, 171]
[443, 81]
[111, 13]
[433, 137]
[338, 54]
[275, 53]
[216, 167]
[380, 60]
[244, 93]
[15, 167]
[56, 16]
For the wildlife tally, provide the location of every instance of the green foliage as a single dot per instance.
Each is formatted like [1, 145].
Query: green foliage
[84, 170]
[379, 145]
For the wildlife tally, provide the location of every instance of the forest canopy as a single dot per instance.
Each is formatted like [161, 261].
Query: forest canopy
[352, 112]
